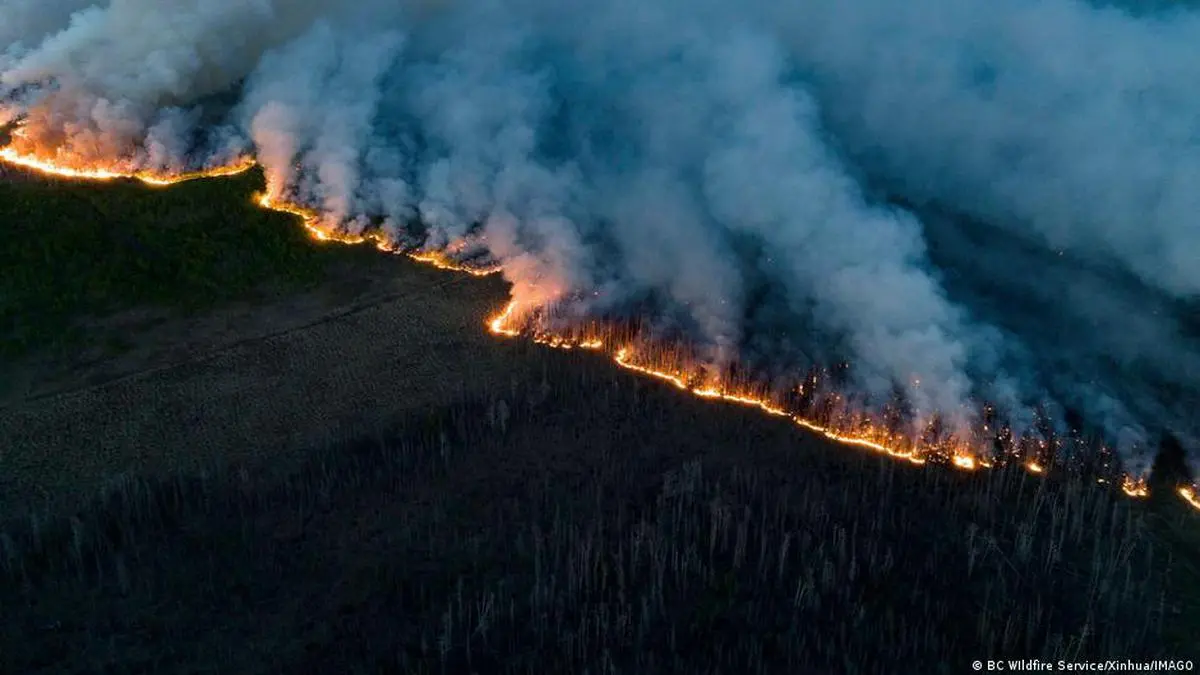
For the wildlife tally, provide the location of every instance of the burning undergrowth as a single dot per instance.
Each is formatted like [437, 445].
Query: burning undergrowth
[763, 186]
[823, 399]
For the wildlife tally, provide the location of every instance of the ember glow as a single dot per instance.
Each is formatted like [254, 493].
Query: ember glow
[508, 323]
[1135, 487]
[47, 167]
[875, 442]
[1190, 496]
[744, 180]
[311, 218]
[965, 462]
[443, 262]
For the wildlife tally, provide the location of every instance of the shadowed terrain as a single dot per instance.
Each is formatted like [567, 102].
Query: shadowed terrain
[340, 471]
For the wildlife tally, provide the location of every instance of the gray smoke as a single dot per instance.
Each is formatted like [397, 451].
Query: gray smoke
[1073, 131]
[1076, 125]
[967, 201]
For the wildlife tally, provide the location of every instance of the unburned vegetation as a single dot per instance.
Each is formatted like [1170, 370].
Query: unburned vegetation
[594, 522]
[485, 506]
[73, 250]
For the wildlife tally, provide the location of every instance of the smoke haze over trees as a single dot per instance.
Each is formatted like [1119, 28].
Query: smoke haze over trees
[966, 201]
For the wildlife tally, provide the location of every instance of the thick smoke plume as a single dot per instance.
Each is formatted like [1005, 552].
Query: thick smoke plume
[965, 201]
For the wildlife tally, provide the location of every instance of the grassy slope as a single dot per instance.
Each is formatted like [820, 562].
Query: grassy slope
[605, 522]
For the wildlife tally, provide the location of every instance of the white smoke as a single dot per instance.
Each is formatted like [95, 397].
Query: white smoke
[609, 153]
[116, 68]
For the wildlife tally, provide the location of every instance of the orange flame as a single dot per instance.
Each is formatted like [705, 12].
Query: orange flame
[499, 324]
[1189, 495]
[310, 217]
[441, 262]
[965, 462]
[34, 163]
[504, 323]
[1135, 487]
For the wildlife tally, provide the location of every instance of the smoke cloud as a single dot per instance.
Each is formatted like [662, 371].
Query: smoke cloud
[965, 201]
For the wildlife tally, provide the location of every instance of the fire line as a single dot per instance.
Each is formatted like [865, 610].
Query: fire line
[502, 324]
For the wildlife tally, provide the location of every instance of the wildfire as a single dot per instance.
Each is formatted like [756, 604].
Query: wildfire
[441, 262]
[311, 220]
[965, 462]
[309, 217]
[622, 359]
[1189, 495]
[910, 456]
[34, 163]
[506, 322]
[503, 324]
[312, 223]
[499, 324]
[560, 342]
[1135, 487]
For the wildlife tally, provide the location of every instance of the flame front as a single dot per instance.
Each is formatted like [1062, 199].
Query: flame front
[965, 462]
[508, 322]
[1190, 496]
[442, 262]
[503, 324]
[310, 218]
[499, 324]
[1135, 487]
[34, 163]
